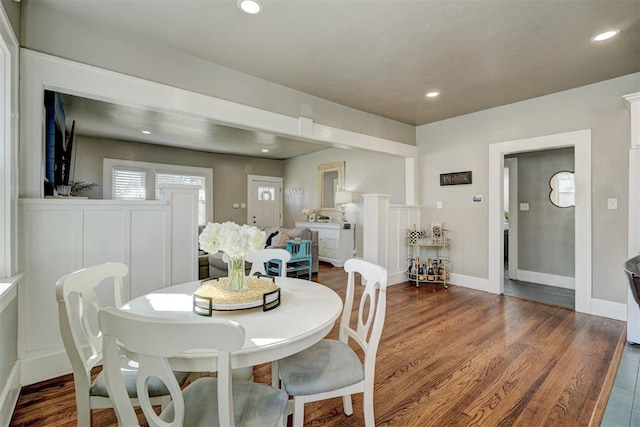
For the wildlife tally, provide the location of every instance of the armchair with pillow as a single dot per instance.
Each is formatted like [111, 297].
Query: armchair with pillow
[276, 238]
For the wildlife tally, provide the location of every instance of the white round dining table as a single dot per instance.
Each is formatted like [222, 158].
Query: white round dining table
[307, 313]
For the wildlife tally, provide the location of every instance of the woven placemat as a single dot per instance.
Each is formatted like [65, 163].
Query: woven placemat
[219, 294]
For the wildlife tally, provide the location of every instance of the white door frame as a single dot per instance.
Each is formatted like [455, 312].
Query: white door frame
[8, 147]
[581, 143]
[275, 179]
[512, 164]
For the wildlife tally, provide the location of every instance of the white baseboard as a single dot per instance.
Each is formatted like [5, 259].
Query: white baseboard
[44, 367]
[9, 395]
[547, 279]
[397, 278]
[469, 282]
[609, 309]
[602, 308]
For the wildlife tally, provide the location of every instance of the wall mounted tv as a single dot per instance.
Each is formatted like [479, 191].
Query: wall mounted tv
[58, 144]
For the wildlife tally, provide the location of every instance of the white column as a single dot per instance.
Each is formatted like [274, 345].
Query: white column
[374, 229]
[410, 173]
[183, 231]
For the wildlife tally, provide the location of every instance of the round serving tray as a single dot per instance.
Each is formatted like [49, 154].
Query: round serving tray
[212, 295]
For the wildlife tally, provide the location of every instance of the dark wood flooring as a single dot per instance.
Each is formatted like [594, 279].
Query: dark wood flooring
[455, 357]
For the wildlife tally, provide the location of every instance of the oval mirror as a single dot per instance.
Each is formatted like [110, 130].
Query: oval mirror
[563, 189]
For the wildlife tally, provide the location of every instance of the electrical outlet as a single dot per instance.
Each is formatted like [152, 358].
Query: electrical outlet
[612, 203]
[439, 204]
[524, 206]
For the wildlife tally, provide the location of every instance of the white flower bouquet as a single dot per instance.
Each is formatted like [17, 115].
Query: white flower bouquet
[235, 240]
[307, 211]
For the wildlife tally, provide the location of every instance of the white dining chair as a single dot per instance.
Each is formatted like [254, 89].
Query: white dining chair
[259, 258]
[78, 306]
[207, 401]
[330, 368]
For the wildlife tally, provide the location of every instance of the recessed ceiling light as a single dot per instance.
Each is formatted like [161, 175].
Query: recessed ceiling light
[432, 94]
[146, 132]
[252, 7]
[605, 36]
[264, 150]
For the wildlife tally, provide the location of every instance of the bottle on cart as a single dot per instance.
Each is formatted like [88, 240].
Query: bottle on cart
[440, 270]
[431, 275]
[420, 269]
[410, 266]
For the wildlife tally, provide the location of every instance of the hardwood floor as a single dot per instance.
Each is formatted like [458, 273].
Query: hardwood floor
[447, 357]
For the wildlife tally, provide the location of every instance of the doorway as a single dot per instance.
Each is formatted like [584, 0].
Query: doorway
[264, 201]
[540, 265]
[581, 143]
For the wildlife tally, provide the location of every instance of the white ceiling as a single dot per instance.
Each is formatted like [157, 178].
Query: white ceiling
[383, 56]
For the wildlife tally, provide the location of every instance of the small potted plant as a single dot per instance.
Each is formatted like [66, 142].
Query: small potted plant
[78, 187]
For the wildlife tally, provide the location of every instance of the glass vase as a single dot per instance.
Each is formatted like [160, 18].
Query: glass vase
[237, 280]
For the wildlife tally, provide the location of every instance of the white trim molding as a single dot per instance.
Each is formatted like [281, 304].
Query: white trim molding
[41, 71]
[547, 279]
[581, 143]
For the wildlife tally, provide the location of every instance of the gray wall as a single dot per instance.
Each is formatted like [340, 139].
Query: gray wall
[12, 9]
[364, 172]
[546, 233]
[462, 143]
[229, 172]
[46, 30]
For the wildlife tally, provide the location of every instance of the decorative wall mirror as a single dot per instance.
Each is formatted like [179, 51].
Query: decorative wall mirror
[330, 180]
[563, 189]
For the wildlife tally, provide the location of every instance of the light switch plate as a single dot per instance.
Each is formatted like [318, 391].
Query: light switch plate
[612, 203]
[243, 205]
[236, 205]
[439, 204]
[524, 206]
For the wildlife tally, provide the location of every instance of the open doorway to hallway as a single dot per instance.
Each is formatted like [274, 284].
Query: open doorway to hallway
[539, 235]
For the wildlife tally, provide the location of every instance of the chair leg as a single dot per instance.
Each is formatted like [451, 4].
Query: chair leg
[367, 403]
[275, 375]
[83, 411]
[298, 411]
[346, 404]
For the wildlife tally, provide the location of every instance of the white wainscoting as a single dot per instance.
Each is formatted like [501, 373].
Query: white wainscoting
[9, 364]
[384, 230]
[156, 239]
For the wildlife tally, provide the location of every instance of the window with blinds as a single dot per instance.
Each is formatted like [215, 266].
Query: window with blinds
[128, 184]
[136, 180]
[181, 179]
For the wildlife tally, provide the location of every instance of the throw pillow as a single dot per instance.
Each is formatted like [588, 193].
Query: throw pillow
[270, 238]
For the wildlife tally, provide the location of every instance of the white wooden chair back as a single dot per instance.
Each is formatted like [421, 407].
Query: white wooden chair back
[369, 324]
[154, 340]
[78, 306]
[259, 258]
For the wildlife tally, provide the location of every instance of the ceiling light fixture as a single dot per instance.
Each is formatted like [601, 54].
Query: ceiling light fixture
[432, 94]
[605, 36]
[264, 150]
[146, 132]
[252, 7]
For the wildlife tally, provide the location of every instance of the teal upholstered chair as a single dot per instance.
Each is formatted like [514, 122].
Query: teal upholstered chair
[207, 401]
[331, 368]
[301, 261]
[259, 259]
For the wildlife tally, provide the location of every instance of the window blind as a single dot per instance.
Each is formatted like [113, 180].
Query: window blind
[128, 184]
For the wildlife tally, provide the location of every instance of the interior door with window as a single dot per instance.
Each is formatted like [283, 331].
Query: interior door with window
[264, 201]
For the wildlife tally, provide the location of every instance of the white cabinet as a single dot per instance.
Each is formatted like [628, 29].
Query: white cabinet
[335, 240]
